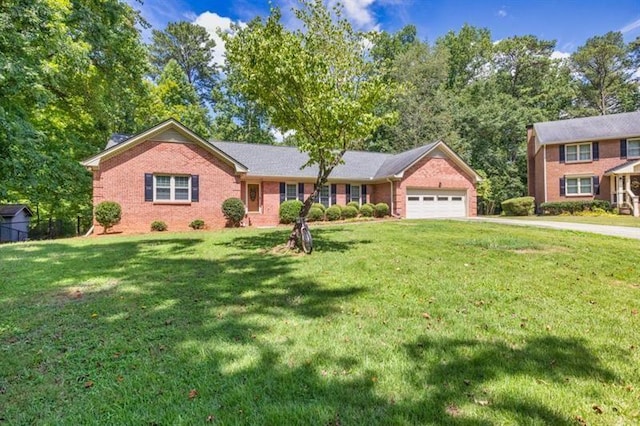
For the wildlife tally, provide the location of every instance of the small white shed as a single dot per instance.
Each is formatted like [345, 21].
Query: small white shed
[15, 222]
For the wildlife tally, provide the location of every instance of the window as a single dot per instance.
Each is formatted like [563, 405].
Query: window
[172, 188]
[633, 148]
[291, 192]
[579, 186]
[578, 152]
[355, 194]
[325, 195]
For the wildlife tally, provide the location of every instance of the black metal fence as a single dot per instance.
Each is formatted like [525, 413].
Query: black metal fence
[11, 234]
[59, 228]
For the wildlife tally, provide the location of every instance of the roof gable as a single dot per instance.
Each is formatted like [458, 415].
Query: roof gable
[170, 130]
[614, 126]
[285, 162]
[11, 210]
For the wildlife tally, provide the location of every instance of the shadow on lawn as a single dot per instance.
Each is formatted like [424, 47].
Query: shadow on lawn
[166, 304]
[334, 239]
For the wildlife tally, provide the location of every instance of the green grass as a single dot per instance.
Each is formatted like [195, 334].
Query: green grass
[614, 220]
[406, 322]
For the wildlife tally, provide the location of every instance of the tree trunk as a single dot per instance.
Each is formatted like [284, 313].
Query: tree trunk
[294, 237]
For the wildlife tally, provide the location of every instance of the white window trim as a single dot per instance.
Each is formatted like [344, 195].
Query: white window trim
[172, 189]
[635, 141]
[579, 193]
[359, 200]
[286, 193]
[328, 186]
[578, 159]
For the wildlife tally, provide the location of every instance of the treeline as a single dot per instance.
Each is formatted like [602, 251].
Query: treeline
[72, 73]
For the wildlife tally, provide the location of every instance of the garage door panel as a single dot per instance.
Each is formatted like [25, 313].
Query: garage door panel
[426, 203]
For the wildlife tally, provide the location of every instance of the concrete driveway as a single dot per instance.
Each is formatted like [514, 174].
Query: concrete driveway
[615, 231]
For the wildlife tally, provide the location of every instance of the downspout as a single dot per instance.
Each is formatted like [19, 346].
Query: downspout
[544, 174]
[392, 209]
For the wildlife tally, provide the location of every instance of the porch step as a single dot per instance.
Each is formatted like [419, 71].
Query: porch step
[625, 211]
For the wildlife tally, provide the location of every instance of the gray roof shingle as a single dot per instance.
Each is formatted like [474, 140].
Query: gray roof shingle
[273, 160]
[601, 127]
[287, 162]
[116, 139]
[10, 210]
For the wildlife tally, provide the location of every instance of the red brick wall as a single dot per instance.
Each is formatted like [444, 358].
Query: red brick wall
[437, 173]
[121, 179]
[609, 157]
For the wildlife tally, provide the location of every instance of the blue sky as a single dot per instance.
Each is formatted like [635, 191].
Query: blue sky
[570, 22]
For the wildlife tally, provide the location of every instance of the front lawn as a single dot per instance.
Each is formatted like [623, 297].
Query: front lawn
[407, 322]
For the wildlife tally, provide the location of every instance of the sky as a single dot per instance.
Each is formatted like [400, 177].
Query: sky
[569, 22]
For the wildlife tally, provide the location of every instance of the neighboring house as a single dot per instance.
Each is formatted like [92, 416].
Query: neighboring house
[14, 225]
[171, 174]
[585, 159]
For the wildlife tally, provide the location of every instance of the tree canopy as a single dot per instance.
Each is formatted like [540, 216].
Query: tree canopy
[316, 81]
[74, 72]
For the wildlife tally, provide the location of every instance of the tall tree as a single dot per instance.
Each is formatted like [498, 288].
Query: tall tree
[191, 46]
[173, 96]
[69, 70]
[238, 118]
[606, 67]
[316, 82]
[522, 62]
[469, 52]
[424, 106]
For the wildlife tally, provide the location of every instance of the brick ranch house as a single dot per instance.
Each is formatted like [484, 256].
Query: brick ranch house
[585, 159]
[169, 173]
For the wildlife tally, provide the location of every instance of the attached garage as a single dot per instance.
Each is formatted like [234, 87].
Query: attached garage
[427, 203]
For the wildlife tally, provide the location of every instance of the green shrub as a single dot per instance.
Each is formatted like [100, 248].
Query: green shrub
[233, 210]
[367, 210]
[354, 204]
[333, 213]
[108, 213]
[349, 212]
[289, 211]
[573, 207]
[319, 206]
[315, 214]
[381, 210]
[197, 224]
[158, 225]
[520, 206]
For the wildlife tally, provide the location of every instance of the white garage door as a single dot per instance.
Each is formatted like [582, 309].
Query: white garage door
[425, 203]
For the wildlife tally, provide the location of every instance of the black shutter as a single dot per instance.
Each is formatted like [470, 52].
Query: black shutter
[623, 148]
[195, 188]
[561, 147]
[283, 189]
[596, 185]
[148, 187]
[334, 189]
[562, 186]
[364, 194]
[301, 191]
[595, 151]
[347, 190]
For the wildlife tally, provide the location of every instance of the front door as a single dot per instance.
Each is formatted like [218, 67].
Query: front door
[253, 197]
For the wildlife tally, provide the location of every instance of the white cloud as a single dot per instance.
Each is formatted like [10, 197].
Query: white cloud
[211, 21]
[630, 27]
[359, 13]
[560, 55]
[502, 12]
